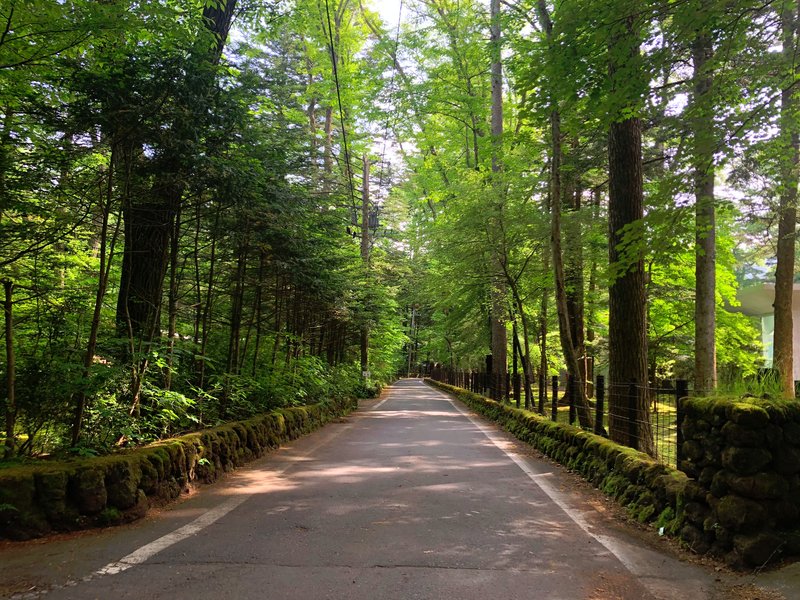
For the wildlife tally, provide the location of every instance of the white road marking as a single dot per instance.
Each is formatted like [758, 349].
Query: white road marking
[632, 558]
[147, 551]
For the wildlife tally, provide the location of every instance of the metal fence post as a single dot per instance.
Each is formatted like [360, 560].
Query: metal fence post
[681, 392]
[571, 383]
[633, 429]
[542, 391]
[599, 396]
[554, 408]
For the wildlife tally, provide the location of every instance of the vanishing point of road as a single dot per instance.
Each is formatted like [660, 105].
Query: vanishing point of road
[410, 497]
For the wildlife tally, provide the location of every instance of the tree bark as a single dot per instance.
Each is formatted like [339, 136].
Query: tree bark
[564, 319]
[365, 243]
[172, 303]
[11, 386]
[629, 410]
[499, 331]
[106, 260]
[787, 211]
[149, 222]
[705, 362]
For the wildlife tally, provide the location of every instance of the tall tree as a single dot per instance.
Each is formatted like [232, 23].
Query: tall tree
[789, 140]
[704, 144]
[499, 330]
[629, 417]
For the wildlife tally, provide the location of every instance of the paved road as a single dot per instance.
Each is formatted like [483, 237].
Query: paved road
[408, 498]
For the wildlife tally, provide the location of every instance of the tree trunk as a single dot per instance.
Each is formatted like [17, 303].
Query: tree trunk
[106, 260]
[705, 356]
[212, 263]
[499, 331]
[564, 324]
[365, 242]
[173, 299]
[629, 410]
[149, 222]
[11, 401]
[787, 211]
[327, 157]
[237, 305]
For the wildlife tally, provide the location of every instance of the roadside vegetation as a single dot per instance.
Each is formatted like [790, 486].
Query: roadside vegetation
[210, 209]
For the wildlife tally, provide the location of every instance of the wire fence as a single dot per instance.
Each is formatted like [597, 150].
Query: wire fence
[644, 417]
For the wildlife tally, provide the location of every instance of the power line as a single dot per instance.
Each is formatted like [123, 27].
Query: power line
[348, 167]
[391, 91]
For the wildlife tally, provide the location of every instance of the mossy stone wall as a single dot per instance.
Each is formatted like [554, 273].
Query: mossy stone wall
[736, 496]
[745, 454]
[38, 499]
[652, 492]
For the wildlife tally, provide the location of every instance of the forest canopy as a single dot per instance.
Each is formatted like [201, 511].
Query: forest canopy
[213, 208]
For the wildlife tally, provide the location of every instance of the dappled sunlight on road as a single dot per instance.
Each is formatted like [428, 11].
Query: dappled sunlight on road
[413, 483]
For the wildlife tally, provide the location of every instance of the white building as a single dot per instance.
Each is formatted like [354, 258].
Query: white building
[757, 301]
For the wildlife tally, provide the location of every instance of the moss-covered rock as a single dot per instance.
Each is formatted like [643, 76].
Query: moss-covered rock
[743, 437]
[34, 499]
[51, 492]
[88, 490]
[759, 549]
[761, 486]
[745, 461]
[791, 433]
[122, 483]
[787, 460]
[741, 514]
[747, 414]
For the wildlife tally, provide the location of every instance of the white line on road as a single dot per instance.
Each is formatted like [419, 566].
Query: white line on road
[147, 551]
[209, 517]
[631, 558]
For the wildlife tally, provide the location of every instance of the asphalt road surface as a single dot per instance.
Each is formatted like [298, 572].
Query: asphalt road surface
[410, 497]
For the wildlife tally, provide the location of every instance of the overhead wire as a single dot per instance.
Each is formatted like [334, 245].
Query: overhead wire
[348, 166]
[391, 92]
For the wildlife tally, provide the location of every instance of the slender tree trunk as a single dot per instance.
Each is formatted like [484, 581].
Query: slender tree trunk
[564, 324]
[106, 252]
[629, 413]
[365, 243]
[527, 368]
[787, 211]
[499, 331]
[705, 361]
[172, 307]
[327, 157]
[198, 289]
[11, 371]
[543, 312]
[262, 263]
[237, 305]
[574, 281]
[212, 264]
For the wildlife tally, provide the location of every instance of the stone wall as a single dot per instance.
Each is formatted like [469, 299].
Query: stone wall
[38, 499]
[652, 492]
[745, 458]
[737, 495]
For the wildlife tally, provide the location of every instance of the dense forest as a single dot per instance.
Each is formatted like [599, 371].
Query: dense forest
[212, 208]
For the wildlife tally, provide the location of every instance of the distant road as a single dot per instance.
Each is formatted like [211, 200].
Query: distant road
[407, 498]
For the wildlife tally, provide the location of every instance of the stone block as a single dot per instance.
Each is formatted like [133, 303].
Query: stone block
[740, 514]
[745, 461]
